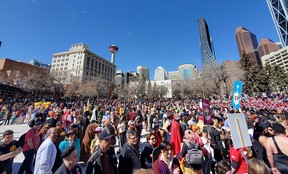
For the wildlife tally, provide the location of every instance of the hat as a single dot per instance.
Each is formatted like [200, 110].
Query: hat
[67, 151]
[73, 125]
[130, 122]
[98, 129]
[218, 117]
[104, 135]
[70, 132]
[201, 118]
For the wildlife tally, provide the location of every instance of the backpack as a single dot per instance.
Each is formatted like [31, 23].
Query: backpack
[21, 140]
[194, 156]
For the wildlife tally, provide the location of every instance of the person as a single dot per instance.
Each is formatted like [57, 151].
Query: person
[8, 150]
[88, 137]
[223, 167]
[70, 162]
[32, 142]
[276, 149]
[256, 166]
[193, 144]
[210, 155]
[239, 159]
[103, 160]
[146, 155]
[95, 142]
[122, 131]
[43, 131]
[166, 163]
[71, 140]
[46, 153]
[176, 135]
[129, 156]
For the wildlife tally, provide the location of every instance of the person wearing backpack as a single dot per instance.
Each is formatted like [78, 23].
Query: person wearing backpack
[30, 145]
[192, 154]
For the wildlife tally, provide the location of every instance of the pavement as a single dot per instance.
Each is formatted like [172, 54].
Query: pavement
[20, 129]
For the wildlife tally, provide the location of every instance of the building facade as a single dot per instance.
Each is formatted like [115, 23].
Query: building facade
[81, 64]
[266, 46]
[206, 45]
[143, 72]
[279, 58]
[160, 74]
[14, 72]
[187, 72]
[173, 75]
[247, 44]
[279, 12]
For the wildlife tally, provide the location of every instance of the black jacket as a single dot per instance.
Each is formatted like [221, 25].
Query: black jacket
[129, 159]
[94, 164]
[145, 158]
[63, 170]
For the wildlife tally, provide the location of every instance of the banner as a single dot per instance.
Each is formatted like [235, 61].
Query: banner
[237, 92]
[205, 105]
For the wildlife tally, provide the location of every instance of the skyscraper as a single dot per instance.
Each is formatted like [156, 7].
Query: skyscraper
[247, 43]
[143, 72]
[279, 12]
[187, 72]
[160, 74]
[266, 46]
[206, 45]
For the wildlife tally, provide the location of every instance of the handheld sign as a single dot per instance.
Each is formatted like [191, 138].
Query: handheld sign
[239, 130]
[237, 92]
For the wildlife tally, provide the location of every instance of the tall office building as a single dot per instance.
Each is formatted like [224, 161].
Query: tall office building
[160, 74]
[143, 72]
[173, 75]
[266, 46]
[247, 43]
[279, 58]
[279, 12]
[79, 63]
[206, 45]
[187, 72]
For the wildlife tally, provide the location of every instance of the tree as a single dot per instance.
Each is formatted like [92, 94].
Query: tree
[254, 79]
[149, 90]
[277, 77]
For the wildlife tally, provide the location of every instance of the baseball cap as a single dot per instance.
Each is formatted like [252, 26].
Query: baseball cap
[98, 129]
[104, 135]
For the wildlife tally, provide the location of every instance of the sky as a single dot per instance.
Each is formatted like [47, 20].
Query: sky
[148, 33]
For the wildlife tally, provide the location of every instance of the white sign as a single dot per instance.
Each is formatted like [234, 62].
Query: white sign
[239, 130]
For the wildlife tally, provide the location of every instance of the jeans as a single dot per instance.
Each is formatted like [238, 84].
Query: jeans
[27, 164]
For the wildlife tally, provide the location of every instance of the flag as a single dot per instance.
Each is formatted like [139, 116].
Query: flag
[0, 43]
[237, 94]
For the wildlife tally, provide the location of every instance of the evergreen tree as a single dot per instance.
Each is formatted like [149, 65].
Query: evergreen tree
[278, 79]
[255, 80]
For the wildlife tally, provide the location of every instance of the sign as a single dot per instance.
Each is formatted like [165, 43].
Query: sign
[205, 105]
[239, 130]
[236, 96]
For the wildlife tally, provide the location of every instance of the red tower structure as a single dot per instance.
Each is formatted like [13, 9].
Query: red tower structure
[113, 49]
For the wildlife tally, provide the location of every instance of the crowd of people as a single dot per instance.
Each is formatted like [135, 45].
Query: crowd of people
[181, 136]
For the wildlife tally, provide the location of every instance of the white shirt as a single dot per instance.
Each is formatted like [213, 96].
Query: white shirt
[45, 157]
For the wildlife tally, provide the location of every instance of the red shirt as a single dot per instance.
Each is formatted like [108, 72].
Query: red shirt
[34, 134]
[235, 155]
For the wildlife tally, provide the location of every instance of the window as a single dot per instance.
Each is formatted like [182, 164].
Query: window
[66, 64]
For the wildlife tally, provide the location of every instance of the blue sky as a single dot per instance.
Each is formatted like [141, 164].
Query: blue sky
[148, 32]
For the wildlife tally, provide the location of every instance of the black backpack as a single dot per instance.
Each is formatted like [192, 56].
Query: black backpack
[21, 140]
